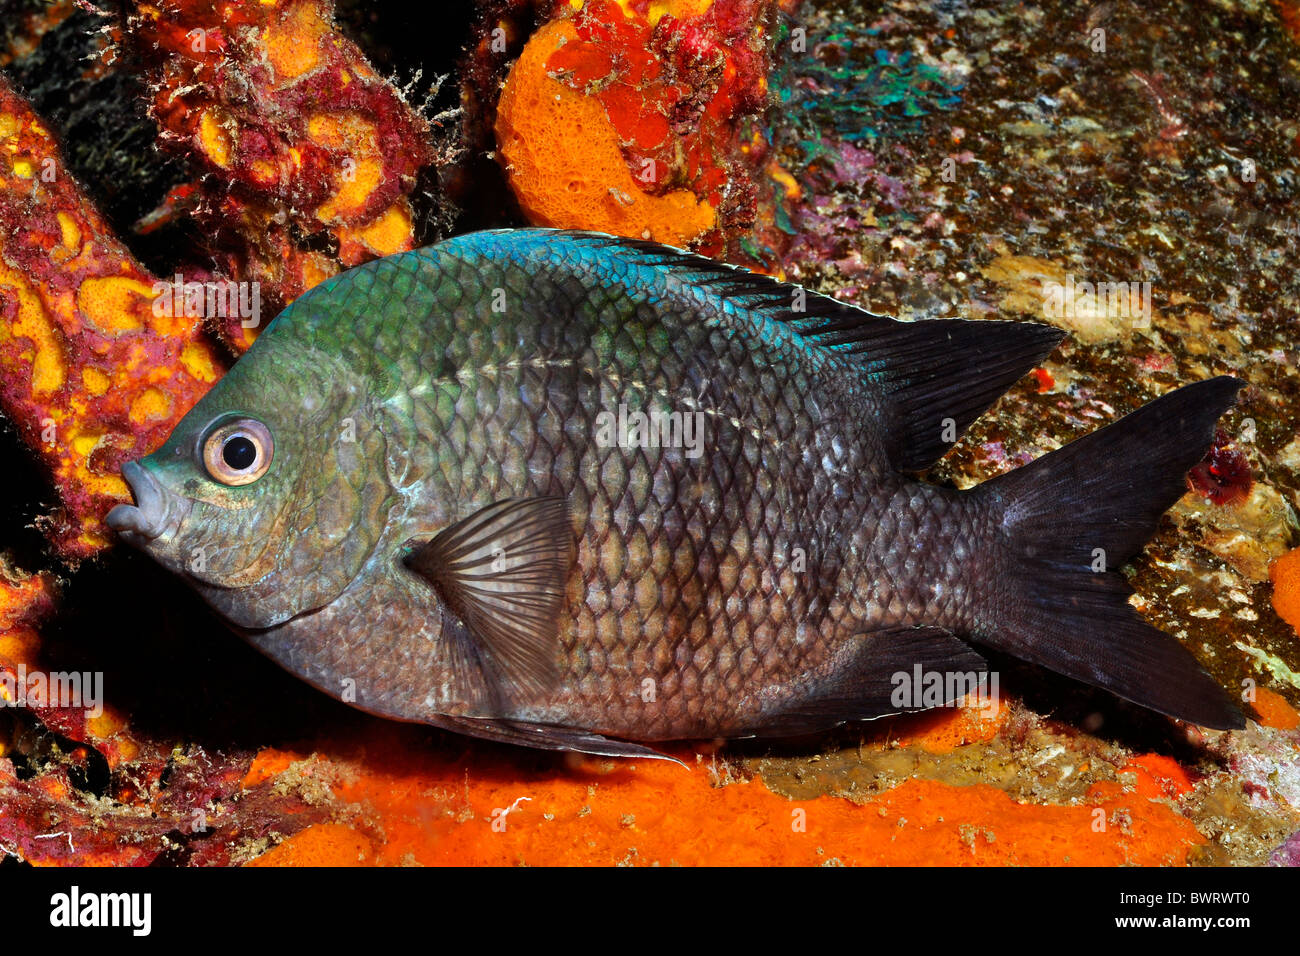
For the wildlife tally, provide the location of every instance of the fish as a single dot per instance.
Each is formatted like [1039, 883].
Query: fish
[580, 492]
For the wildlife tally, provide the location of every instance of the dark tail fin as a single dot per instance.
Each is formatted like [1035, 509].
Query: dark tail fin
[1071, 519]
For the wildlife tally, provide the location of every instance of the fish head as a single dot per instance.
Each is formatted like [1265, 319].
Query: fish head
[270, 494]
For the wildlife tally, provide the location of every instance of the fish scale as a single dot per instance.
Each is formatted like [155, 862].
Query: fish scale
[703, 640]
[429, 409]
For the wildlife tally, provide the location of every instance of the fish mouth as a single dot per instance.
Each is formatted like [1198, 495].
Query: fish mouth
[156, 514]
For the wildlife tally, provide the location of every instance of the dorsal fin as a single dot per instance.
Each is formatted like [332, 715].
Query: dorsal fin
[926, 372]
[942, 374]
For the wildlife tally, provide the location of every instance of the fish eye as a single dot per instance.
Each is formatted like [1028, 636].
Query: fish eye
[238, 452]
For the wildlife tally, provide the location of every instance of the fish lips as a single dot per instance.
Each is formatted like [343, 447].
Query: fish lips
[156, 515]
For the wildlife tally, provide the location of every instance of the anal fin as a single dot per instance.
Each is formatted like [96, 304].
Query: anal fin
[877, 666]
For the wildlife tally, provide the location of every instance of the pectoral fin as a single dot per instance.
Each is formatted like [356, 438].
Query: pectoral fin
[502, 571]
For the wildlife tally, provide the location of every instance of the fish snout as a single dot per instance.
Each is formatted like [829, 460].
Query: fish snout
[155, 514]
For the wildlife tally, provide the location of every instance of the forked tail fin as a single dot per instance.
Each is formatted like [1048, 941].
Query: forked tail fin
[1070, 520]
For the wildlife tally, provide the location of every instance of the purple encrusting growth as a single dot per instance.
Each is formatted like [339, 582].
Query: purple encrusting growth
[1288, 854]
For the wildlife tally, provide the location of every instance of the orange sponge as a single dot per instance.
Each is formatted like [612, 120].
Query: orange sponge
[565, 163]
[1274, 711]
[1285, 575]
